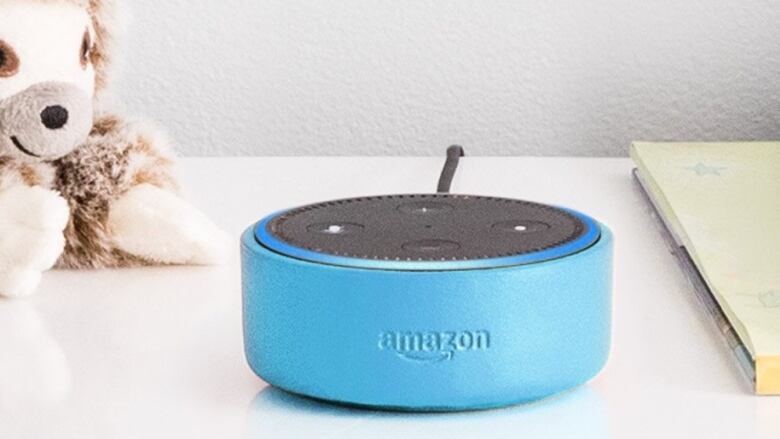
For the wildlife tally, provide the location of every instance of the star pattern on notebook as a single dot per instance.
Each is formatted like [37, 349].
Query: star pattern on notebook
[702, 169]
[770, 299]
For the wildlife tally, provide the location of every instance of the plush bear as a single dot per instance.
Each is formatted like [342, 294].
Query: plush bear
[80, 187]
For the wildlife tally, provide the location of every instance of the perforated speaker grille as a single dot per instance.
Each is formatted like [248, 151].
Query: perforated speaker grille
[430, 227]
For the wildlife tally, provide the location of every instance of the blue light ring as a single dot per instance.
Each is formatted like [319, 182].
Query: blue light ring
[588, 238]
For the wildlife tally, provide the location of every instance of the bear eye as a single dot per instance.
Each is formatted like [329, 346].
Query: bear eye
[9, 62]
[86, 49]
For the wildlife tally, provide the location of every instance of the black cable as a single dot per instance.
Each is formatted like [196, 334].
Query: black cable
[454, 153]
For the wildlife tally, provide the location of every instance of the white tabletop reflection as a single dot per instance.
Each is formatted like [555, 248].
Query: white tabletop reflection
[278, 414]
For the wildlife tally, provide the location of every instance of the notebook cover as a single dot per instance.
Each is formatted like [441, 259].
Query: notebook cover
[722, 201]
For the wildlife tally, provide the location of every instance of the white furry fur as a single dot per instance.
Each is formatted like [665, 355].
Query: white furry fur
[47, 38]
[32, 220]
[159, 226]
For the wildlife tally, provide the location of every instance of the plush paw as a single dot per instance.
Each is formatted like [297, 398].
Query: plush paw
[159, 226]
[32, 220]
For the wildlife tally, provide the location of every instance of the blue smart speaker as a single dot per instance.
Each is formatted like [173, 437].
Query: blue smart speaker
[428, 302]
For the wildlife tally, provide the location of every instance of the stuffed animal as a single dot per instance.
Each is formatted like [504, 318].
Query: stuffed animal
[79, 187]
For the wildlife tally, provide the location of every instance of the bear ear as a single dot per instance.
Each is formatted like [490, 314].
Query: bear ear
[107, 24]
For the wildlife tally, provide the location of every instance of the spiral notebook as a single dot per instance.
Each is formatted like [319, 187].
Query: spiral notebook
[719, 204]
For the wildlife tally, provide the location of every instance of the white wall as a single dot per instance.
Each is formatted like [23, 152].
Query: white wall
[544, 77]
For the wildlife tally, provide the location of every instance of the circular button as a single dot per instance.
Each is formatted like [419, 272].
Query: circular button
[521, 226]
[431, 246]
[425, 207]
[335, 228]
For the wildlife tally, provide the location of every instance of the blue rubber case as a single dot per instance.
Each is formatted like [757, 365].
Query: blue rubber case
[427, 339]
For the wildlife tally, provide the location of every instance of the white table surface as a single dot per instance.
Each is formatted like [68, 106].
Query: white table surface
[150, 353]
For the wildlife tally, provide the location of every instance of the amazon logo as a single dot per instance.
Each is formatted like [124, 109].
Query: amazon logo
[432, 346]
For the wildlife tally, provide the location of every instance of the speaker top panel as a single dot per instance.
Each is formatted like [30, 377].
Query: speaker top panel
[427, 232]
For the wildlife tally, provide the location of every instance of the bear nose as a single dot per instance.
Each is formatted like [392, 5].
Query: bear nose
[54, 117]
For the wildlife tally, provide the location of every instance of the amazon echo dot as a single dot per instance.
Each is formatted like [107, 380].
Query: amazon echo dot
[427, 302]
